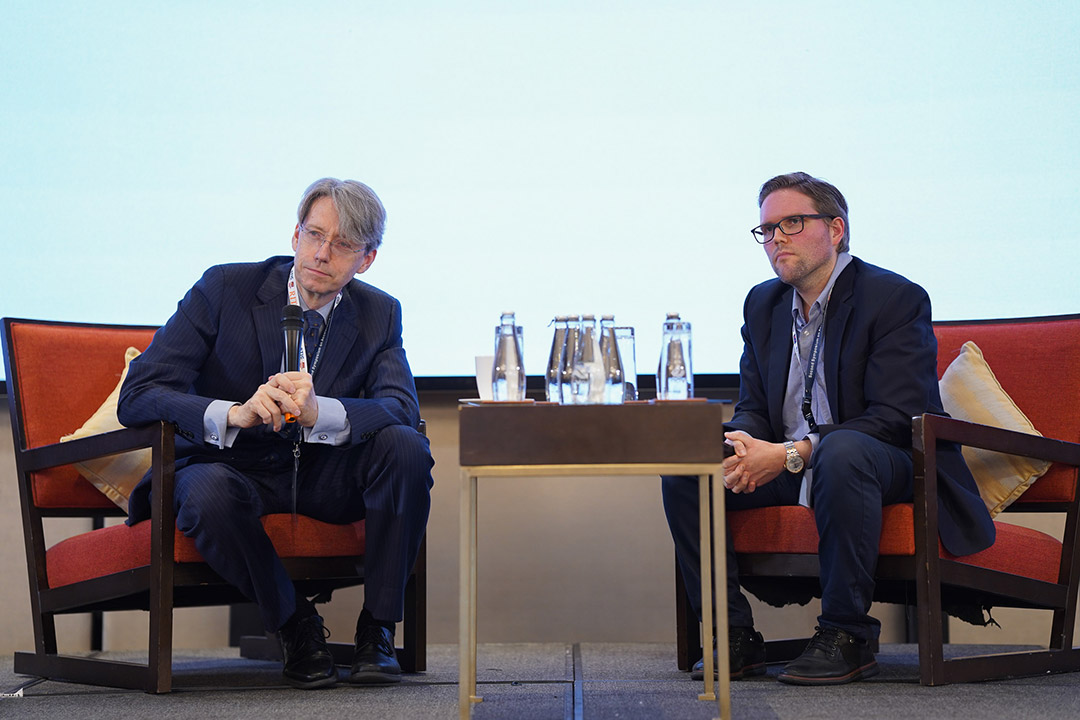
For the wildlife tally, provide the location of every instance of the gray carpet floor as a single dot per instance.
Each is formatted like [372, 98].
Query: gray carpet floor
[591, 680]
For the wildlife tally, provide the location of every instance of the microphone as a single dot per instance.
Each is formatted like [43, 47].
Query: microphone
[292, 323]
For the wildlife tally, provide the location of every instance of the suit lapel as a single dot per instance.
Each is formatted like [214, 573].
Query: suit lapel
[340, 338]
[836, 321]
[779, 358]
[267, 319]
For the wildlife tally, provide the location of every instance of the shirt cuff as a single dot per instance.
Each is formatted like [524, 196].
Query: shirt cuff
[814, 438]
[332, 427]
[216, 430]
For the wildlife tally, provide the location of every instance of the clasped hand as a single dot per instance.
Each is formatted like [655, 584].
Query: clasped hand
[289, 392]
[754, 463]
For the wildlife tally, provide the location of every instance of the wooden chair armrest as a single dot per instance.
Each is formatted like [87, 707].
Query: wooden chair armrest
[95, 446]
[997, 439]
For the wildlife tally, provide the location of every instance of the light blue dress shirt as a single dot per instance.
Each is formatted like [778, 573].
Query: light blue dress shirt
[804, 330]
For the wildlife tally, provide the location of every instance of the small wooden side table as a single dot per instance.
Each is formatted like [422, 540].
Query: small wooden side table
[642, 438]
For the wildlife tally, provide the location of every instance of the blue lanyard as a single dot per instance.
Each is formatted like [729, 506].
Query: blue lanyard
[811, 370]
[811, 366]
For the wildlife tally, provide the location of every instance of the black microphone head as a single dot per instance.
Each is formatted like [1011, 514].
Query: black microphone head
[292, 322]
[292, 318]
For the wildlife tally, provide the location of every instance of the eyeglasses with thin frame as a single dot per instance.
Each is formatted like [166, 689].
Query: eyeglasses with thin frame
[315, 239]
[791, 225]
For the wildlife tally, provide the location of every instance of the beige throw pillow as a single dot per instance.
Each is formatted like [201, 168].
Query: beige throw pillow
[969, 391]
[115, 475]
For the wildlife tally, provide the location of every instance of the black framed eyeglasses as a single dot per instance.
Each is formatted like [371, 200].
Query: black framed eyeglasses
[791, 225]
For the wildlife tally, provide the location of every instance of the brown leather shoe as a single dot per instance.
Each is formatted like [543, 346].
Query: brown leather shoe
[833, 657]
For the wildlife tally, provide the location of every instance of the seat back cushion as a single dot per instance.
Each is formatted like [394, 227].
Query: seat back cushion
[62, 373]
[1036, 364]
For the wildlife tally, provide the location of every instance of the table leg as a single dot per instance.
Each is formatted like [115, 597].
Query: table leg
[705, 523]
[719, 533]
[467, 597]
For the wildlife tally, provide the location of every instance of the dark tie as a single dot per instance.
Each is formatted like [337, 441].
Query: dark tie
[313, 323]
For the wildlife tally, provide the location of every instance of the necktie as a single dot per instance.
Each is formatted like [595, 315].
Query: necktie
[313, 323]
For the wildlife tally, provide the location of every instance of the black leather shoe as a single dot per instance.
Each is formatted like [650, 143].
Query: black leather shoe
[746, 655]
[374, 661]
[308, 662]
[833, 657]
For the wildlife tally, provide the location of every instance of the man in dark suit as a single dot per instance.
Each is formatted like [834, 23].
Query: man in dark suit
[838, 356]
[216, 370]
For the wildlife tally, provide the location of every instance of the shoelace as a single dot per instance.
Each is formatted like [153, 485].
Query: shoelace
[374, 634]
[304, 637]
[827, 639]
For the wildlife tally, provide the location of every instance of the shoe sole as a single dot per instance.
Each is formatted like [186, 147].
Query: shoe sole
[865, 671]
[747, 671]
[313, 684]
[373, 677]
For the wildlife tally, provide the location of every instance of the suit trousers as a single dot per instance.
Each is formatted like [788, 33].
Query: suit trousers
[854, 476]
[385, 481]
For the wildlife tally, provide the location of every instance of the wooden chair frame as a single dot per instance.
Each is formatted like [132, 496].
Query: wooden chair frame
[163, 584]
[936, 578]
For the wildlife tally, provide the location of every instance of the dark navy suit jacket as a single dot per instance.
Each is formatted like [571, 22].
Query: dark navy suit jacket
[225, 340]
[880, 365]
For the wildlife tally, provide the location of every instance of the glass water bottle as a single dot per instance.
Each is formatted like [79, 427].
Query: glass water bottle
[508, 370]
[675, 375]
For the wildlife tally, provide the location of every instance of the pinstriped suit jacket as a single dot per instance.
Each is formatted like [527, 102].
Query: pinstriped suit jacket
[225, 340]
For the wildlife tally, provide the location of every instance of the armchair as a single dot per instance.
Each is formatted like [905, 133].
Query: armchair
[1037, 363]
[58, 374]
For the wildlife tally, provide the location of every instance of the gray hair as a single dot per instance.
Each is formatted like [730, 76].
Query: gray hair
[826, 198]
[362, 215]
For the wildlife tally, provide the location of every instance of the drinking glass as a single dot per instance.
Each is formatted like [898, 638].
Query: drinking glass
[624, 338]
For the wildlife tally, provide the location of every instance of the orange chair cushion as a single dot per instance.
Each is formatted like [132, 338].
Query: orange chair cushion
[119, 547]
[791, 529]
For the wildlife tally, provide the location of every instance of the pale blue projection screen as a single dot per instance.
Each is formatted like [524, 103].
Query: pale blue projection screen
[542, 157]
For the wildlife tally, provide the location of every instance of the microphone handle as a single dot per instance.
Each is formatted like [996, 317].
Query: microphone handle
[292, 359]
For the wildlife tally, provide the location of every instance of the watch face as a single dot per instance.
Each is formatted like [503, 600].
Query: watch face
[794, 460]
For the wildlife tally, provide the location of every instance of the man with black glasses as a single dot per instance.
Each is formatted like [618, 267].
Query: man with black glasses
[335, 440]
[838, 356]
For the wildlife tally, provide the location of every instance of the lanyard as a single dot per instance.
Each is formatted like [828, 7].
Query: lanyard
[811, 366]
[808, 376]
[294, 299]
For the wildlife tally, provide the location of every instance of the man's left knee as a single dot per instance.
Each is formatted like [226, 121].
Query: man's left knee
[401, 436]
[404, 446]
[847, 460]
[843, 450]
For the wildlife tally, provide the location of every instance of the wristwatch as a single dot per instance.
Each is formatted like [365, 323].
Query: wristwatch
[794, 462]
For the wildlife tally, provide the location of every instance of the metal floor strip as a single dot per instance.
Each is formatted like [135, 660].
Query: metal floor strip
[579, 685]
